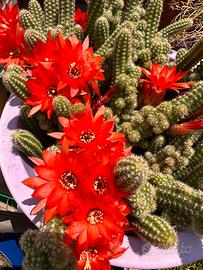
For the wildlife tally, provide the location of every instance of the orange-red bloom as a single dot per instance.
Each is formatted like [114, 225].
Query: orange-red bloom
[58, 182]
[43, 87]
[81, 18]
[187, 127]
[160, 79]
[97, 220]
[13, 47]
[97, 258]
[93, 135]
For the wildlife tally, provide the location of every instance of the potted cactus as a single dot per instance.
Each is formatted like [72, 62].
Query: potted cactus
[112, 127]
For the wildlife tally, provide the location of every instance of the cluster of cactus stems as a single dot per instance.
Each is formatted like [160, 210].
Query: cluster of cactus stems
[165, 172]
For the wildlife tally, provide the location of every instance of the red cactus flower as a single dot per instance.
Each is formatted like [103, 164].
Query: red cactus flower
[98, 257]
[13, 47]
[160, 79]
[81, 18]
[57, 184]
[97, 220]
[79, 67]
[92, 135]
[43, 87]
[187, 127]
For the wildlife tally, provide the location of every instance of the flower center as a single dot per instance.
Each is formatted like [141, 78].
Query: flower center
[15, 52]
[51, 91]
[100, 185]
[95, 216]
[74, 71]
[87, 136]
[68, 180]
[88, 255]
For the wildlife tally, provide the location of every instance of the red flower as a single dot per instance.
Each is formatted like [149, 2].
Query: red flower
[187, 127]
[57, 184]
[79, 67]
[97, 220]
[97, 258]
[81, 18]
[9, 17]
[93, 135]
[43, 88]
[13, 47]
[160, 78]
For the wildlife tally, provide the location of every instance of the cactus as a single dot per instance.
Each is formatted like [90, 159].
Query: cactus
[183, 222]
[131, 173]
[176, 27]
[51, 11]
[16, 85]
[28, 20]
[123, 51]
[32, 35]
[130, 7]
[192, 57]
[37, 11]
[62, 106]
[143, 201]
[153, 14]
[172, 194]
[156, 230]
[27, 143]
[66, 18]
[101, 31]
[44, 251]
[16, 69]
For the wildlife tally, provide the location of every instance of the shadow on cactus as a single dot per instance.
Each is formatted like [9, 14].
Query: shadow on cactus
[126, 147]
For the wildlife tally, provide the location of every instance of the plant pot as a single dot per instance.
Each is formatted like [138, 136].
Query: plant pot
[139, 254]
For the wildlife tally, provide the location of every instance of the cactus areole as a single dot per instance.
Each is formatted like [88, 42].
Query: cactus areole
[111, 124]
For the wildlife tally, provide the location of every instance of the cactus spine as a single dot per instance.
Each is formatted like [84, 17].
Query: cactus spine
[62, 106]
[37, 11]
[176, 27]
[51, 11]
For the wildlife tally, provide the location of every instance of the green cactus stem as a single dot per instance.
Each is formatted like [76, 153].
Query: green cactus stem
[66, 18]
[192, 57]
[96, 9]
[37, 11]
[55, 226]
[131, 173]
[122, 52]
[153, 15]
[27, 143]
[28, 20]
[16, 85]
[101, 31]
[16, 69]
[32, 35]
[43, 251]
[51, 10]
[173, 194]
[198, 225]
[110, 42]
[62, 106]
[143, 201]
[156, 231]
[183, 222]
[176, 27]
[130, 7]
[78, 31]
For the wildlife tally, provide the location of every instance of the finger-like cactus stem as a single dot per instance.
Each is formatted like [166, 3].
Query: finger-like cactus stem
[176, 27]
[172, 194]
[27, 143]
[67, 11]
[192, 57]
[16, 85]
[130, 7]
[51, 10]
[183, 222]
[78, 31]
[37, 11]
[62, 106]
[32, 35]
[43, 251]
[143, 201]
[16, 69]
[28, 20]
[156, 230]
[131, 173]
[122, 52]
[153, 15]
[101, 31]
